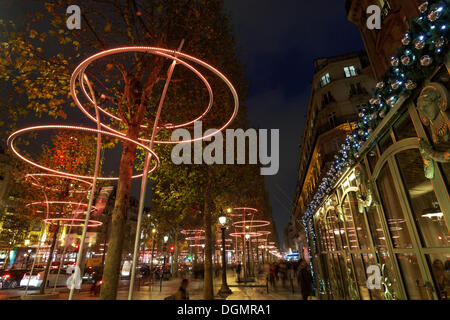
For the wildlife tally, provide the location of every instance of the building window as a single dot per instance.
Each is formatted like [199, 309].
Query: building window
[332, 119]
[395, 217]
[327, 99]
[325, 80]
[429, 217]
[357, 89]
[350, 72]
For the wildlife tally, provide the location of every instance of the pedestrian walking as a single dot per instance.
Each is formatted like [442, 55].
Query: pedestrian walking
[306, 280]
[238, 271]
[283, 273]
[181, 293]
[273, 275]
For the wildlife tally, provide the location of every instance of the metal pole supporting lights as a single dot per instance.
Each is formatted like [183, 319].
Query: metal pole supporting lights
[153, 254]
[165, 239]
[224, 290]
[247, 237]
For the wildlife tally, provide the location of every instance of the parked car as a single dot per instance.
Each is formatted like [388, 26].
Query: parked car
[11, 278]
[52, 278]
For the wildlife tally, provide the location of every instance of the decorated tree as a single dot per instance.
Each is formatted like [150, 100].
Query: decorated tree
[69, 152]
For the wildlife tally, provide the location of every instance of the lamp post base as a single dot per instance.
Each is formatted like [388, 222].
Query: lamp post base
[224, 290]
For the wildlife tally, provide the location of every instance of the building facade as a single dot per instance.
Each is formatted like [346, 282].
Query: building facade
[340, 89]
[380, 230]
[384, 42]
[390, 213]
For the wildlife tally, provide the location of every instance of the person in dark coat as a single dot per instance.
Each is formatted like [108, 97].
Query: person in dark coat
[238, 271]
[305, 279]
[182, 293]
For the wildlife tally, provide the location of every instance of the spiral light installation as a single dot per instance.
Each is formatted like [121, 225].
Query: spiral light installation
[78, 83]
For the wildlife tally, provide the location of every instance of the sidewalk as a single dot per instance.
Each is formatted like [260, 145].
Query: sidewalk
[240, 291]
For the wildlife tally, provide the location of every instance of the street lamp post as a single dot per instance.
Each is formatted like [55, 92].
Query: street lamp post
[165, 239]
[257, 257]
[247, 237]
[224, 290]
[244, 259]
[153, 255]
[262, 253]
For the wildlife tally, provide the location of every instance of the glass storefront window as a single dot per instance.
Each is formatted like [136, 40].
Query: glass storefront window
[404, 128]
[439, 265]
[372, 158]
[428, 215]
[335, 279]
[386, 262]
[385, 142]
[330, 233]
[376, 228]
[368, 260]
[323, 237]
[361, 278]
[412, 278]
[392, 209]
[361, 229]
[351, 287]
[445, 168]
[350, 225]
[339, 234]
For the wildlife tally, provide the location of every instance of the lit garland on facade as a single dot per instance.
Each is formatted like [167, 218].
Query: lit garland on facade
[424, 48]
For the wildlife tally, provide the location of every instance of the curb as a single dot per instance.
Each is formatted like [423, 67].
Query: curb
[48, 296]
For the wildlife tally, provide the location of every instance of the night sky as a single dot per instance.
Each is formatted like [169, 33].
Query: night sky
[280, 40]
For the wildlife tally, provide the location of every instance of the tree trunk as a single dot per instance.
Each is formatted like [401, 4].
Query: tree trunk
[208, 289]
[119, 218]
[49, 261]
[83, 260]
[105, 240]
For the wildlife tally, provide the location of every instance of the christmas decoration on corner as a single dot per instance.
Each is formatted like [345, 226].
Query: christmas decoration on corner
[424, 47]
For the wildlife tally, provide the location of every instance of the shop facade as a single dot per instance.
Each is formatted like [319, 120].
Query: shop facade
[382, 232]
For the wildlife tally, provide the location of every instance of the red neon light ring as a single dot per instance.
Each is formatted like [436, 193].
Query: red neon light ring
[35, 176]
[91, 223]
[197, 245]
[195, 238]
[75, 212]
[65, 203]
[244, 213]
[251, 223]
[204, 80]
[226, 240]
[192, 231]
[240, 234]
[13, 136]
